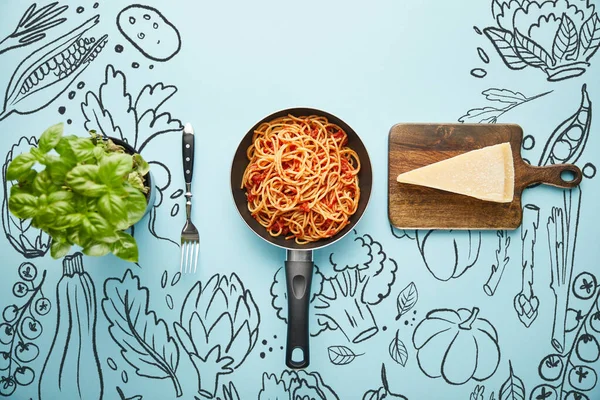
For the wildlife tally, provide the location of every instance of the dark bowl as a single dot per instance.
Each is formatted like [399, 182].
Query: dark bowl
[240, 162]
[148, 178]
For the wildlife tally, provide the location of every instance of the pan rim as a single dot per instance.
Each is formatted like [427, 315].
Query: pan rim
[316, 244]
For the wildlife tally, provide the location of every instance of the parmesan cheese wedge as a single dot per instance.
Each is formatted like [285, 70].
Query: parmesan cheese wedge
[486, 174]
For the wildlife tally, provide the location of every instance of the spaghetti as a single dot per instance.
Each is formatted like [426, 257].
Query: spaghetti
[302, 179]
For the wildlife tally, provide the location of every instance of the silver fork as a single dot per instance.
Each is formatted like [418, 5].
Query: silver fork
[190, 239]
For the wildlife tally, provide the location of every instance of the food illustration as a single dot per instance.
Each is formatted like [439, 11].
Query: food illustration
[31, 242]
[20, 327]
[383, 393]
[457, 346]
[144, 339]
[445, 258]
[363, 278]
[218, 328]
[526, 303]
[33, 26]
[507, 99]
[46, 73]
[567, 142]
[513, 387]
[490, 311]
[149, 31]
[573, 373]
[72, 368]
[498, 267]
[562, 237]
[295, 385]
[141, 119]
[341, 355]
[486, 174]
[558, 37]
[301, 180]
[397, 350]
[407, 298]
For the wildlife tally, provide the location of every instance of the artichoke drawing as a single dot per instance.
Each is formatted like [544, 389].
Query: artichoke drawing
[218, 328]
[557, 36]
[295, 385]
[27, 240]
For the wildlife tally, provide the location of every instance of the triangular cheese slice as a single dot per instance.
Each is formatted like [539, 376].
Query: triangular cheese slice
[486, 174]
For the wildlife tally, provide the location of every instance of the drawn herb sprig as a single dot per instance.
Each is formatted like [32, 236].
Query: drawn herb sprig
[20, 328]
[507, 100]
[143, 337]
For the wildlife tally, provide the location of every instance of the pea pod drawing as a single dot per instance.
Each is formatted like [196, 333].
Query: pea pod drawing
[47, 73]
[567, 142]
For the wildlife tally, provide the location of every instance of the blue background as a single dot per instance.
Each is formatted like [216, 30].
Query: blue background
[373, 64]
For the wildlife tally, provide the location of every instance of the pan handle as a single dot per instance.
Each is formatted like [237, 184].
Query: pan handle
[298, 272]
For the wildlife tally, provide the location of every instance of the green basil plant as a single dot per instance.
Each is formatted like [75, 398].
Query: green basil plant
[83, 191]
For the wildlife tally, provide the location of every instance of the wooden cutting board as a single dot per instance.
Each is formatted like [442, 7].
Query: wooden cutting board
[416, 207]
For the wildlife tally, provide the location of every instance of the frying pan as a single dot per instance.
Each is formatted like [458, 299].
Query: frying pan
[299, 260]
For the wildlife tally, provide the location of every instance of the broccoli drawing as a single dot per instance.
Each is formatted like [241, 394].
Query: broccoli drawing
[361, 279]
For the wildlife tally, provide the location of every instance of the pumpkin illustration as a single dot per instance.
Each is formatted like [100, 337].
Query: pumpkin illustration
[457, 346]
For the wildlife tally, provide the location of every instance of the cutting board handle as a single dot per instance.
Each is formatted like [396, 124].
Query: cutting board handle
[551, 175]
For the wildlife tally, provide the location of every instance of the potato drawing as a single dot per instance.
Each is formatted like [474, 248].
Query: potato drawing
[151, 33]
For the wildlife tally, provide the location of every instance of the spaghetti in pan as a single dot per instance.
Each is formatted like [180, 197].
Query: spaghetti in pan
[301, 181]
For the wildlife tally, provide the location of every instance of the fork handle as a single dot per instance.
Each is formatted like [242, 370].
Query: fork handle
[188, 153]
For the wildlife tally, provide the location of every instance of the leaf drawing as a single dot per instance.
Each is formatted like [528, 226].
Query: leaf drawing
[590, 36]
[138, 119]
[531, 52]
[407, 299]
[565, 41]
[143, 338]
[513, 388]
[341, 355]
[504, 96]
[503, 42]
[398, 350]
[33, 26]
[490, 114]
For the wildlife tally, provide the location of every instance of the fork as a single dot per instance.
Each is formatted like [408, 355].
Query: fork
[190, 239]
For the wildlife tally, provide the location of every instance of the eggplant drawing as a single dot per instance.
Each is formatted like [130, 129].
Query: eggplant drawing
[47, 73]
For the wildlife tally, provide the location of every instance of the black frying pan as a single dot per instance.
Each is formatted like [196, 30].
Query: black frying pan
[299, 263]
